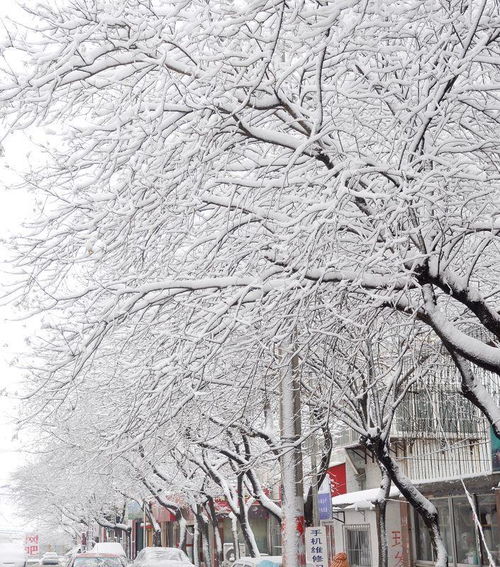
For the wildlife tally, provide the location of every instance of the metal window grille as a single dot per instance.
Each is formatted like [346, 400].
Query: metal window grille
[357, 538]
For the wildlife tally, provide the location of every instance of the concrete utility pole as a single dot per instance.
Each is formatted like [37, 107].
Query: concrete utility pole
[292, 492]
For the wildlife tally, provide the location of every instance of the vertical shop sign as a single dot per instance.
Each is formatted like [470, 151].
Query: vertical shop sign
[31, 545]
[316, 553]
[325, 500]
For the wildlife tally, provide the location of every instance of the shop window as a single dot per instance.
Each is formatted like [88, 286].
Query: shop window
[465, 537]
[422, 538]
[259, 527]
[443, 509]
[357, 539]
[487, 513]
[459, 535]
[274, 535]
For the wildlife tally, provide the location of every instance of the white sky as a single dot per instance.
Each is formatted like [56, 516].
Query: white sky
[14, 207]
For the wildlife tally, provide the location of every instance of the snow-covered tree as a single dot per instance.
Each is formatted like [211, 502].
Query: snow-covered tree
[214, 155]
[220, 175]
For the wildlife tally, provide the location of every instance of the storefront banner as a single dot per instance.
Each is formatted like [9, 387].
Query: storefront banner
[162, 514]
[316, 553]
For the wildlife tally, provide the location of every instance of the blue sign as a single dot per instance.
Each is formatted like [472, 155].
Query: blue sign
[495, 451]
[325, 506]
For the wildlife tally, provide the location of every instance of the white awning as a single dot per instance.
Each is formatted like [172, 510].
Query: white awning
[360, 500]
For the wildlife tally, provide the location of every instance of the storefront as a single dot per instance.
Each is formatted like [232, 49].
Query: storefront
[464, 539]
[265, 527]
[467, 524]
[353, 528]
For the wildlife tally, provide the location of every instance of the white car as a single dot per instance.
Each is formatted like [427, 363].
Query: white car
[161, 557]
[50, 558]
[262, 561]
[12, 555]
[109, 547]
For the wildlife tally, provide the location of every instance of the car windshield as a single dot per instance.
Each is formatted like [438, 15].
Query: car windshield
[97, 562]
[156, 555]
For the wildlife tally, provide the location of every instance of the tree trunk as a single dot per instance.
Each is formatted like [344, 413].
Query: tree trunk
[381, 509]
[196, 544]
[426, 510]
[203, 537]
[246, 529]
[474, 391]
[234, 530]
[207, 554]
[308, 508]
[319, 473]
[219, 550]
[182, 530]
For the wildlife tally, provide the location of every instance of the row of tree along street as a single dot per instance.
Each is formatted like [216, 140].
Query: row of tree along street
[257, 222]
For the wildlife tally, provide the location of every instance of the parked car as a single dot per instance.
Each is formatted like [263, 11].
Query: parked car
[12, 555]
[161, 557]
[50, 558]
[262, 561]
[113, 547]
[98, 560]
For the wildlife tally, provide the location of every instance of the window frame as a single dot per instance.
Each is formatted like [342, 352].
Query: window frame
[360, 528]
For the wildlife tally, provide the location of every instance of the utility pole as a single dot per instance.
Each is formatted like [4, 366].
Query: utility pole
[292, 490]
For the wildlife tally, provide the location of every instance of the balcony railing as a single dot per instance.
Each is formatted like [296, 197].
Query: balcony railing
[436, 458]
[437, 433]
[432, 460]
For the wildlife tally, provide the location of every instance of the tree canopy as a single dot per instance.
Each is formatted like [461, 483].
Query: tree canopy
[223, 176]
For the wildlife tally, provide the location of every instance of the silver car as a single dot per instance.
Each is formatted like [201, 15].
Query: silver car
[162, 557]
[50, 558]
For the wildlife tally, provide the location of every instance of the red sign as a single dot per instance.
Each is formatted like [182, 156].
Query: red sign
[31, 546]
[162, 514]
[338, 482]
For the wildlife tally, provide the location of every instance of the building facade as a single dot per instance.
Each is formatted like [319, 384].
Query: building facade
[446, 448]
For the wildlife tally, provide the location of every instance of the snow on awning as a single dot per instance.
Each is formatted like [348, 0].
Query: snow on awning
[360, 500]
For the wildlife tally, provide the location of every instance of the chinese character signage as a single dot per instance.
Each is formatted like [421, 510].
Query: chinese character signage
[31, 544]
[325, 500]
[396, 548]
[324, 506]
[316, 554]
